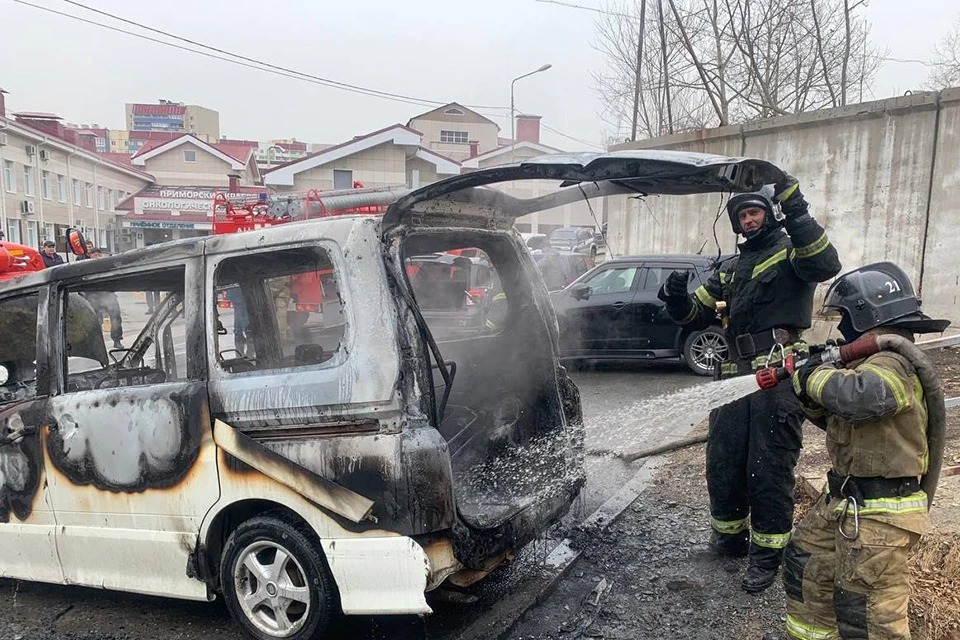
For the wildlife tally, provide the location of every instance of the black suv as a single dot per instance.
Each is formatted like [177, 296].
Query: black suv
[612, 312]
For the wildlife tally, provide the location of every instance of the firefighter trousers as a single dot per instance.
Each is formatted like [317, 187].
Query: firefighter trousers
[850, 589]
[752, 449]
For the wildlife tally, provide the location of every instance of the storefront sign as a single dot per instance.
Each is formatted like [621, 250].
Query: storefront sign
[150, 224]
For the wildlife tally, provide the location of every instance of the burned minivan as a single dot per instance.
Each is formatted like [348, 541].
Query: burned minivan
[176, 421]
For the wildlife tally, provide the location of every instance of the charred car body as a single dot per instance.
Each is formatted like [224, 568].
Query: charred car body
[354, 465]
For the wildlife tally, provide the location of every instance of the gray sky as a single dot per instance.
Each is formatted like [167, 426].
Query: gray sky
[439, 50]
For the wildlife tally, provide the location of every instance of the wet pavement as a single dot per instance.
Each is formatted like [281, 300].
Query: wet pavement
[40, 611]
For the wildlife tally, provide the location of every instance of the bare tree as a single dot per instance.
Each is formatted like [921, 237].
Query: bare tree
[945, 65]
[718, 62]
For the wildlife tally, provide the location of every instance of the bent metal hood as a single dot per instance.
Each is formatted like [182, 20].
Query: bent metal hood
[463, 201]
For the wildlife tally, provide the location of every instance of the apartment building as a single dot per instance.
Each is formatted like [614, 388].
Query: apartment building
[173, 117]
[50, 182]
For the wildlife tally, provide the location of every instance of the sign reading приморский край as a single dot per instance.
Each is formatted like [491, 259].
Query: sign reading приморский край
[162, 207]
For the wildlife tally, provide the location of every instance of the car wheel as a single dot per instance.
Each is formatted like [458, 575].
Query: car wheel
[703, 349]
[275, 579]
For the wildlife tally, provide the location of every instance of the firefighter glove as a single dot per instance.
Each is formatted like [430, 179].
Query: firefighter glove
[787, 194]
[676, 286]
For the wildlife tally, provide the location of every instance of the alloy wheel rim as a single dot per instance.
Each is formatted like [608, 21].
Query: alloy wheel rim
[708, 349]
[272, 589]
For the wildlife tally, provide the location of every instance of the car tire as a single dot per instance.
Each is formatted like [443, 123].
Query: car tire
[702, 349]
[254, 576]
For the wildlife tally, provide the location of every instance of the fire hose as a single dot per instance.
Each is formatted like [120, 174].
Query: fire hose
[867, 346]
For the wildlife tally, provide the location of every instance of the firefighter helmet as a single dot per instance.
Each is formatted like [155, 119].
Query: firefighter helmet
[879, 294]
[763, 199]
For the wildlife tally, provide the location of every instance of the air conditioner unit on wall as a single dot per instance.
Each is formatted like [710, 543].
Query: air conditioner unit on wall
[31, 149]
[3, 139]
[78, 222]
[44, 155]
[28, 206]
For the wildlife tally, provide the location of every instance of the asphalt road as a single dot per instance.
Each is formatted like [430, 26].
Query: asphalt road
[33, 610]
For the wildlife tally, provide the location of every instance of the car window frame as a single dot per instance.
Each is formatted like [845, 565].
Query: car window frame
[44, 378]
[196, 370]
[673, 266]
[629, 265]
[212, 268]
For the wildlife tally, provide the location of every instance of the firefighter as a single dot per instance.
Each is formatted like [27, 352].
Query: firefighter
[845, 569]
[754, 443]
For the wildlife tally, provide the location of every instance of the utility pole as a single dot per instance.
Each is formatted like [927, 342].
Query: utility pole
[636, 77]
[666, 69]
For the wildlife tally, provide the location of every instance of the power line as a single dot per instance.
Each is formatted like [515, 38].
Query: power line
[343, 85]
[571, 5]
[580, 140]
[240, 59]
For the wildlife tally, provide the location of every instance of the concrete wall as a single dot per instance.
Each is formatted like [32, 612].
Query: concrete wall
[882, 177]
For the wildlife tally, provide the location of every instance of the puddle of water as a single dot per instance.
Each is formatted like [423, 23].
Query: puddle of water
[648, 422]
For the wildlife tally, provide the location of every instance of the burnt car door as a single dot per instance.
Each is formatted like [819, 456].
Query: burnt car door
[27, 522]
[652, 321]
[130, 441]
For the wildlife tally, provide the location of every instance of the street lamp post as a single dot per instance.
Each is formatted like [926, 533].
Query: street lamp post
[513, 115]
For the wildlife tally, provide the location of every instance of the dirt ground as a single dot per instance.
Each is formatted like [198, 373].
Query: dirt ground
[637, 580]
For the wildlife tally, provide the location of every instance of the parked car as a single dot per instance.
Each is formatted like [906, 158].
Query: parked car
[347, 467]
[576, 239]
[613, 312]
[535, 241]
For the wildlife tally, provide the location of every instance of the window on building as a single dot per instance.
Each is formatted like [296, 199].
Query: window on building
[9, 177]
[134, 345]
[455, 137]
[49, 232]
[61, 188]
[100, 201]
[342, 179]
[453, 111]
[88, 194]
[189, 155]
[45, 184]
[33, 233]
[284, 310]
[76, 192]
[13, 230]
[28, 180]
[111, 199]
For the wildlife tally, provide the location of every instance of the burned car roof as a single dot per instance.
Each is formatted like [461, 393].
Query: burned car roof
[583, 175]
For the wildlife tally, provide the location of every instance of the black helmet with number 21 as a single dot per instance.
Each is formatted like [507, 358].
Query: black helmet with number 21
[879, 294]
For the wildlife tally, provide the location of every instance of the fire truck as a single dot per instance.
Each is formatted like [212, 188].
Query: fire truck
[307, 292]
[18, 259]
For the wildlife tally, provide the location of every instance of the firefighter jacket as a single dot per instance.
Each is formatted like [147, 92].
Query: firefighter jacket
[876, 422]
[769, 285]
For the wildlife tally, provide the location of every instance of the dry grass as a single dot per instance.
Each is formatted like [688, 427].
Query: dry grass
[935, 577]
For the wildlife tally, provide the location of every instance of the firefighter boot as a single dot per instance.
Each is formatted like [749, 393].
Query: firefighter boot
[762, 568]
[723, 545]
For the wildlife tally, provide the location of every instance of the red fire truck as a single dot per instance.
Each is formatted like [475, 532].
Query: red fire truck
[18, 259]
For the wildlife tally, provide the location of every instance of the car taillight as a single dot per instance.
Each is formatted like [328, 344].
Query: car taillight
[474, 296]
